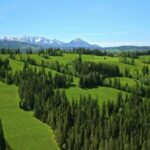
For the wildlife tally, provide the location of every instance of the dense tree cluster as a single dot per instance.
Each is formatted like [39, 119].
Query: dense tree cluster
[9, 51]
[62, 81]
[91, 80]
[5, 71]
[92, 74]
[51, 52]
[29, 51]
[108, 70]
[145, 70]
[129, 54]
[84, 125]
[91, 52]
[3, 144]
[126, 60]
[30, 82]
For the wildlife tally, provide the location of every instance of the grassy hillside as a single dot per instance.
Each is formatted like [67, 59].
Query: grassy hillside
[21, 129]
[68, 58]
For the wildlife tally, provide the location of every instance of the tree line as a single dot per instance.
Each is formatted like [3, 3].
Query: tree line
[144, 90]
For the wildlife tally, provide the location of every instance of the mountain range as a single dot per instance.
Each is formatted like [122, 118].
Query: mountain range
[36, 43]
[45, 42]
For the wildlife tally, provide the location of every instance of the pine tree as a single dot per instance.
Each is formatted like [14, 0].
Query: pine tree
[2, 139]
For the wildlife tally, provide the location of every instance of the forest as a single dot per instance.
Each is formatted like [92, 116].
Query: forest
[57, 87]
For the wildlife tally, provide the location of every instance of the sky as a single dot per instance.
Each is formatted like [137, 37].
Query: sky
[103, 22]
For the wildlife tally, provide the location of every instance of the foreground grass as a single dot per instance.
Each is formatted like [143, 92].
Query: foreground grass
[22, 130]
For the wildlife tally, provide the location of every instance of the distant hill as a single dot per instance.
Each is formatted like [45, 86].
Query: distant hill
[128, 48]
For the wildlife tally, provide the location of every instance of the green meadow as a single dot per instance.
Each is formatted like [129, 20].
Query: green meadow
[102, 93]
[68, 58]
[22, 130]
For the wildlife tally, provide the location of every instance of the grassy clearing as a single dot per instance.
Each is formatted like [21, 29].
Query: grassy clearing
[102, 93]
[124, 81]
[21, 129]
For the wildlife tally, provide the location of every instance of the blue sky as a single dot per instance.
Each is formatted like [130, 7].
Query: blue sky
[104, 22]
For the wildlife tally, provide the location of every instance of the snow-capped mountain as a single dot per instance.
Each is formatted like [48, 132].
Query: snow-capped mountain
[42, 41]
[37, 43]
[34, 40]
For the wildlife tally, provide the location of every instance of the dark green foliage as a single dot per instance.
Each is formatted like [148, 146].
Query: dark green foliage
[2, 139]
[9, 51]
[62, 81]
[145, 70]
[29, 51]
[5, 71]
[3, 144]
[91, 52]
[143, 88]
[91, 80]
[31, 82]
[92, 74]
[107, 70]
[78, 64]
[126, 60]
[31, 61]
[122, 125]
[51, 52]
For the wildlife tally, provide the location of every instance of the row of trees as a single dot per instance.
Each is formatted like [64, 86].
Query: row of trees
[143, 90]
[96, 52]
[9, 51]
[134, 54]
[126, 60]
[62, 68]
[51, 52]
[5, 71]
[108, 70]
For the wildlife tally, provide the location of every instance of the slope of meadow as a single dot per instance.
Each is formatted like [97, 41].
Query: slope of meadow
[22, 130]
